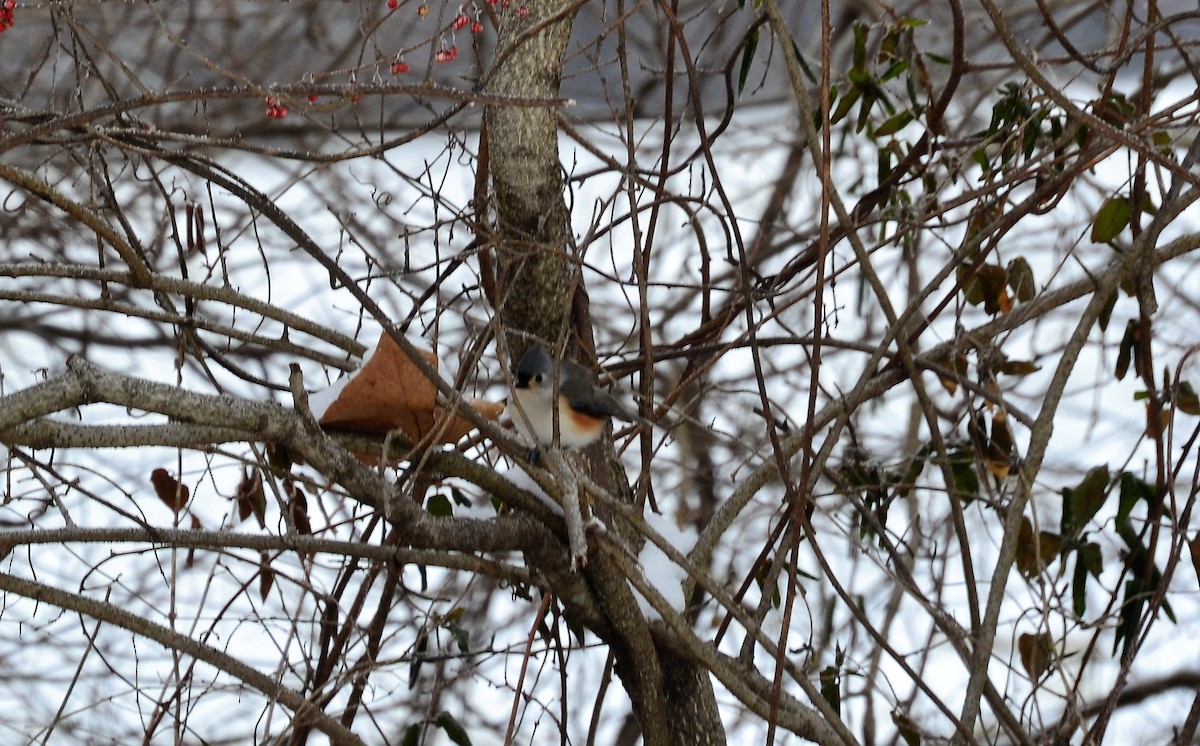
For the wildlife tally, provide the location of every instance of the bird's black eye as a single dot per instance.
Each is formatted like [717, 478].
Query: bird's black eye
[538, 378]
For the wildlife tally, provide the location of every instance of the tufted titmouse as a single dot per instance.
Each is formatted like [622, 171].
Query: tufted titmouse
[583, 407]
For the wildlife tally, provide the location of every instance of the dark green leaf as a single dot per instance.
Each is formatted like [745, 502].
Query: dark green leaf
[1125, 352]
[962, 468]
[747, 59]
[1106, 312]
[894, 124]
[1111, 219]
[1186, 400]
[980, 156]
[808, 73]
[941, 59]
[894, 71]
[844, 104]
[1020, 278]
[414, 667]
[1081, 503]
[439, 505]
[860, 46]
[1079, 587]
[1133, 489]
[461, 637]
[1090, 557]
[454, 731]
[412, 735]
[831, 689]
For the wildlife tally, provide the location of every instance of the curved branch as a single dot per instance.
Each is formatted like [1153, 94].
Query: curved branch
[305, 711]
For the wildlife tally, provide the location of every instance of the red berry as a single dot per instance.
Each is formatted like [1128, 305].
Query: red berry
[452, 52]
[522, 11]
[476, 27]
[312, 97]
[393, 4]
[399, 68]
[423, 9]
[460, 22]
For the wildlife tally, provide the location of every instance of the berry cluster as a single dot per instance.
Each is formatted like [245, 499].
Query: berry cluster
[275, 110]
[6, 14]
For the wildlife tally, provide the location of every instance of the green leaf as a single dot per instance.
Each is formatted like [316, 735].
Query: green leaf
[1020, 278]
[844, 104]
[412, 735]
[1106, 312]
[808, 73]
[1081, 503]
[860, 46]
[747, 59]
[1125, 352]
[894, 124]
[1186, 400]
[1133, 489]
[439, 506]
[1111, 219]
[462, 638]
[831, 690]
[1079, 586]
[414, 668]
[454, 731]
[1030, 134]
[980, 156]
[962, 469]
[894, 70]
[941, 59]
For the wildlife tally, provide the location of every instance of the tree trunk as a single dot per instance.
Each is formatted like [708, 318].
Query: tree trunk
[539, 291]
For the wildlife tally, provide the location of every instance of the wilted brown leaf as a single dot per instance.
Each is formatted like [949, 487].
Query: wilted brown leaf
[1194, 549]
[251, 499]
[173, 494]
[266, 576]
[1035, 550]
[1036, 653]
[298, 504]
[391, 393]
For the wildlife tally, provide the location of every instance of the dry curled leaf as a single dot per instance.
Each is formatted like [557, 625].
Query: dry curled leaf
[298, 507]
[298, 504]
[1037, 651]
[173, 494]
[266, 576]
[251, 499]
[390, 393]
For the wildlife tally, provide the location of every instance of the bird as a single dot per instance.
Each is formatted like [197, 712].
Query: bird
[583, 407]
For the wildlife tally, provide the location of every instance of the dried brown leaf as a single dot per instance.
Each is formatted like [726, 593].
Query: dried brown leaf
[173, 494]
[391, 393]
